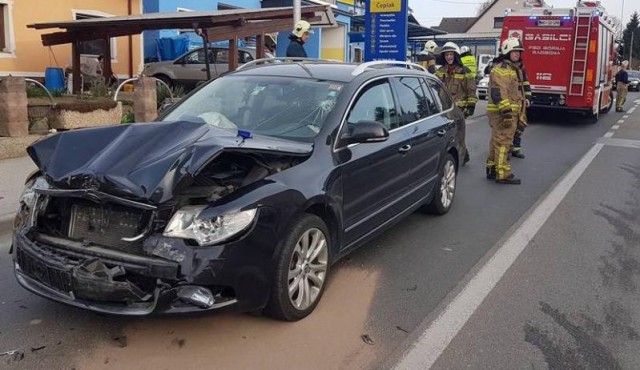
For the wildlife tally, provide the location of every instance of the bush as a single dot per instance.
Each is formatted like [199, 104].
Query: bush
[162, 93]
[128, 117]
[99, 88]
[35, 91]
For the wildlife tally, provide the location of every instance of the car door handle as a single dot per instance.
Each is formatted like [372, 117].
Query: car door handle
[442, 132]
[404, 149]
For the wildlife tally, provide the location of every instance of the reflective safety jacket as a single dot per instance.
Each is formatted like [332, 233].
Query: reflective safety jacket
[506, 88]
[469, 61]
[461, 84]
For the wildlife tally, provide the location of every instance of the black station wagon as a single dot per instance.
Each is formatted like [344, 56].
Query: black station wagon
[242, 195]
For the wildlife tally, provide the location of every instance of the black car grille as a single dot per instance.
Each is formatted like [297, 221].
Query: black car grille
[56, 278]
[105, 225]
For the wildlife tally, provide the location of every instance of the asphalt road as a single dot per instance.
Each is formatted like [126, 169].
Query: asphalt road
[569, 300]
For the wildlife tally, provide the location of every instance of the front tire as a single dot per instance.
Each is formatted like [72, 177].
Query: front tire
[302, 268]
[445, 188]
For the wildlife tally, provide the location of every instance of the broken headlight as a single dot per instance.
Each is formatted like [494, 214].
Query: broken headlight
[28, 199]
[186, 224]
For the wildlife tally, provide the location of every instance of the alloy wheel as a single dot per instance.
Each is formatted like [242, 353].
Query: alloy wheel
[308, 268]
[448, 184]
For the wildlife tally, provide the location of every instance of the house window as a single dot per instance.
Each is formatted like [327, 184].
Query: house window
[498, 22]
[6, 29]
[94, 47]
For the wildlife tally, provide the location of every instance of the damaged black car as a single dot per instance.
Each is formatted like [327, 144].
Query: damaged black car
[243, 195]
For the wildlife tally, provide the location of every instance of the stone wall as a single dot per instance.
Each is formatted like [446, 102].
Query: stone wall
[62, 119]
[145, 105]
[14, 118]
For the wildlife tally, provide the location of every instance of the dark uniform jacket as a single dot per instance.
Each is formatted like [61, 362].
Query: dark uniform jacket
[295, 48]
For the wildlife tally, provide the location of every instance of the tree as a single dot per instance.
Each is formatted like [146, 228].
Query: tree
[484, 6]
[633, 27]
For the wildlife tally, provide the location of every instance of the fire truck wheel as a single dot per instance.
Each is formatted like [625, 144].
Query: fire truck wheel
[593, 117]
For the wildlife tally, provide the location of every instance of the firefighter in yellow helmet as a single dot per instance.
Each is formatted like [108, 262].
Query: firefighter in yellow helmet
[299, 35]
[506, 101]
[459, 81]
[468, 60]
[427, 57]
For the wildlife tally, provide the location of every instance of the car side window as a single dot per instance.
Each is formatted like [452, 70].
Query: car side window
[430, 96]
[412, 100]
[441, 94]
[374, 103]
[222, 56]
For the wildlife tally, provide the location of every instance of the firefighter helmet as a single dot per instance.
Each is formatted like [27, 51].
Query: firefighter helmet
[464, 49]
[450, 46]
[511, 44]
[429, 47]
[302, 27]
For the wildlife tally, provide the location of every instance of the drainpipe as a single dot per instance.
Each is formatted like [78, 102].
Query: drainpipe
[129, 9]
[296, 11]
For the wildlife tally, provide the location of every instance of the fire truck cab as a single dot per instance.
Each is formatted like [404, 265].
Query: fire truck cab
[568, 56]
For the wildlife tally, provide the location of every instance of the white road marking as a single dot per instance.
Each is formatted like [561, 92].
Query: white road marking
[608, 134]
[620, 121]
[624, 143]
[631, 110]
[437, 337]
[625, 116]
[615, 127]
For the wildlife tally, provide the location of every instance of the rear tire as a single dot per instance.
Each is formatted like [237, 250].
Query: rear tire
[445, 188]
[302, 268]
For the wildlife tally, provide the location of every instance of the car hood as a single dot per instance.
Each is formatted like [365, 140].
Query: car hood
[143, 161]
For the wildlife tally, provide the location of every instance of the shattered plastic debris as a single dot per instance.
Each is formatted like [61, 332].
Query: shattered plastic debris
[36, 349]
[121, 341]
[367, 339]
[13, 356]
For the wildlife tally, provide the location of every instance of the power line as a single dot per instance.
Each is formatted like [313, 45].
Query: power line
[461, 2]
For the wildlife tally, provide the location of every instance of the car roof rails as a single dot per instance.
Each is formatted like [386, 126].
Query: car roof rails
[391, 63]
[263, 61]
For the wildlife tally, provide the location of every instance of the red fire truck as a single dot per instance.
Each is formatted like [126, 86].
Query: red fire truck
[568, 56]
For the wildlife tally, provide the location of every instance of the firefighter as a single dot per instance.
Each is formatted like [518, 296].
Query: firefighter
[506, 100]
[427, 57]
[300, 34]
[460, 82]
[468, 60]
[622, 81]
[516, 148]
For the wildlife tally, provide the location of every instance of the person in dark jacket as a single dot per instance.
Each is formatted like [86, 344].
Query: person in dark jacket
[300, 34]
[622, 82]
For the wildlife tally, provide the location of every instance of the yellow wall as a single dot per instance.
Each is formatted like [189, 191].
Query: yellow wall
[31, 58]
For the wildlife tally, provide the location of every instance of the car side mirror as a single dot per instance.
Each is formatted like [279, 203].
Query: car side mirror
[365, 132]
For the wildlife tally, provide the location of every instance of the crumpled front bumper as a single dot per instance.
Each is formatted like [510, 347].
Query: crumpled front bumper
[99, 284]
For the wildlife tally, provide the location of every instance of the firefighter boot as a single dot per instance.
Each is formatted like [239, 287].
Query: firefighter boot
[509, 180]
[491, 173]
[466, 157]
[517, 153]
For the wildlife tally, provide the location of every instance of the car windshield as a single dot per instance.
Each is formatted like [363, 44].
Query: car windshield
[634, 74]
[286, 107]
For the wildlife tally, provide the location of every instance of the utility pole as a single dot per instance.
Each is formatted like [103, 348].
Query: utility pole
[631, 50]
[297, 4]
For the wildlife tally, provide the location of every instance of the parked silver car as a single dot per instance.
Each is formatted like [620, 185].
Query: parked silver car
[190, 68]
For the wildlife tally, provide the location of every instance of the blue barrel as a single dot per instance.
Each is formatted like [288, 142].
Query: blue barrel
[54, 79]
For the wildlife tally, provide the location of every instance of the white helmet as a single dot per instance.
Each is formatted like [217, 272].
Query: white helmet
[429, 47]
[301, 28]
[464, 49]
[625, 63]
[511, 44]
[450, 46]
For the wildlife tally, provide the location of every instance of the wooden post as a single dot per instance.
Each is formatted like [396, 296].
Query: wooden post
[260, 46]
[107, 71]
[233, 54]
[75, 64]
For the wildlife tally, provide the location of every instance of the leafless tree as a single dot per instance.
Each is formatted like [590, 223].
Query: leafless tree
[484, 6]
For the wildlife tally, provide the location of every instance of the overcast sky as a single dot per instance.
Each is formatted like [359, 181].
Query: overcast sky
[429, 12]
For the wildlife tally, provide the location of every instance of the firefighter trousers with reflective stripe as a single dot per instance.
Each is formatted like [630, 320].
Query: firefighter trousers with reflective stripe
[622, 95]
[500, 145]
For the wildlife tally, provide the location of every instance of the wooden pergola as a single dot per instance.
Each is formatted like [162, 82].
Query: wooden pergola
[215, 26]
